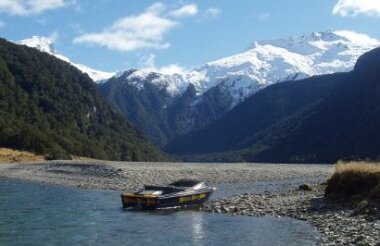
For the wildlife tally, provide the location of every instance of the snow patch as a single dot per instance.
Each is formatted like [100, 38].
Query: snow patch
[46, 45]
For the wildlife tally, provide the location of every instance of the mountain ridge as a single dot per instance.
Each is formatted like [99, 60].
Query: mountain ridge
[339, 124]
[46, 45]
[298, 57]
[205, 93]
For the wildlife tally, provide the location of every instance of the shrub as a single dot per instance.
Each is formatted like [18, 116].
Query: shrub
[305, 187]
[355, 179]
[57, 154]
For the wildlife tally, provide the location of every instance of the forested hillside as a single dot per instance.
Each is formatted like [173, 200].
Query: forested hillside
[49, 107]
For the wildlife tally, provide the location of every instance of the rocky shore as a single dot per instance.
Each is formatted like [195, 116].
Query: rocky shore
[337, 224]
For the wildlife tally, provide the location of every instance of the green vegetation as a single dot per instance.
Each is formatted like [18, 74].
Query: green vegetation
[160, 116]
[354, 181]
[49, 107]
[144, 108]
[258, 123]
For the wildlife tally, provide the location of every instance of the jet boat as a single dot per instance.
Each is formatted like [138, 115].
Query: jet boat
[182, 193]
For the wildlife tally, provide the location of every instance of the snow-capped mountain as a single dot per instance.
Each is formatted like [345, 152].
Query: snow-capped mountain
[166, 106]
[45, 44]
[268, 62]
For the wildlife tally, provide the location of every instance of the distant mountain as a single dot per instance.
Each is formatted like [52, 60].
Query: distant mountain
[49, 107]
[156, 111]
[320, 119]
[45, 44]
[186, 102]
[269, 62]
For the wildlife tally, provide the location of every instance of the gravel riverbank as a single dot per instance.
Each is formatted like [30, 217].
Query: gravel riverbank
[338, 225]
[130, 176]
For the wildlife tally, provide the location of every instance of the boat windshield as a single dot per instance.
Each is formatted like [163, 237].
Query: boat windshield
[185, 183]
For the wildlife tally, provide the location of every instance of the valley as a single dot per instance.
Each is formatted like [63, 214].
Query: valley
[103, 99]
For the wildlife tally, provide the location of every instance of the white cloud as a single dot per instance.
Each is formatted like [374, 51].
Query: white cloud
[352, 8]
[38, 6]
[261, 16]
[28, 7]
[213, 12]
[156, 8]
[2, 24]
[12, 7]
[146, 30]
[148, 65]
[357, 37]
[185, 11]
[172, 69]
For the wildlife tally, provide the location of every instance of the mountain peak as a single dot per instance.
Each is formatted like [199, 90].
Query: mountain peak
[317, 39]
[43, 44]
[268, 62]
[46, 44]
[329, 35]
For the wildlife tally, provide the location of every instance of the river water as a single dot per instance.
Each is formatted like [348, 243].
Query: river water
[39, 214]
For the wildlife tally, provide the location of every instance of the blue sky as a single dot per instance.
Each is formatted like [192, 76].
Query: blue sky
[112, 35]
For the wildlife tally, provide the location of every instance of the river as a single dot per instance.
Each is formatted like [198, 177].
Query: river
[40, 214]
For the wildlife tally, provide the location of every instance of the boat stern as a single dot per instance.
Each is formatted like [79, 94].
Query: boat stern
[139, 201]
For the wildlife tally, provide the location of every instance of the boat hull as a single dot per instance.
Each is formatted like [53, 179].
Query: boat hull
[138, 201]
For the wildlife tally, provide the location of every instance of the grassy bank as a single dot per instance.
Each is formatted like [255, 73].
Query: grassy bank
[12, 156]
[355, 181]
[18, 156]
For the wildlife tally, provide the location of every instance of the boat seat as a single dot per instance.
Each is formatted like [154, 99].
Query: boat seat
[164, 189]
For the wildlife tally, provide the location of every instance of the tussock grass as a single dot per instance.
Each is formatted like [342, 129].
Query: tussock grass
[19, 156]
[11, 155]
[357, 167]
[355, 181]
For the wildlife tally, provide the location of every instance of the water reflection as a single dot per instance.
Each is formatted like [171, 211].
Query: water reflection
[198, 231]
